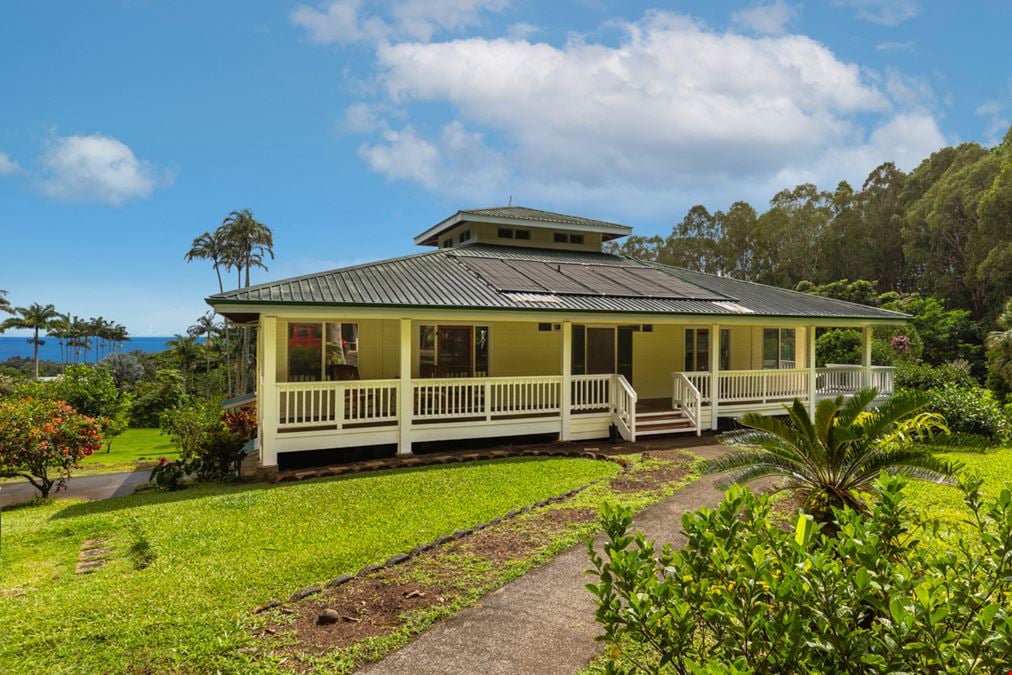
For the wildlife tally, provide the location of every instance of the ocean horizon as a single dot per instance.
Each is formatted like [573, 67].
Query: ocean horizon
[11, 346]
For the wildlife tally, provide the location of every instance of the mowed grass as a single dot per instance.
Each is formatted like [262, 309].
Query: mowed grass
[945, 503]
[133, 449]
[187, 568]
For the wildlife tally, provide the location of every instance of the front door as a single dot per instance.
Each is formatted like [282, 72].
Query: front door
[455, 351]
[600, 350]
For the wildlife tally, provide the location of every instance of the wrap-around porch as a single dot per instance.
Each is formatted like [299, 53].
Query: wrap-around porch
[357, 381]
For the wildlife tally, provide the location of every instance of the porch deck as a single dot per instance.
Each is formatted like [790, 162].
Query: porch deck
[319, 415]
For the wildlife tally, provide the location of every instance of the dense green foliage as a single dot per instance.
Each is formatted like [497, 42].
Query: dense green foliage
[208, 447]
[924, 377]
[214, 553]
[745, 595]
[970, 410]
[829, 461]
[153, 397]
[942, 230]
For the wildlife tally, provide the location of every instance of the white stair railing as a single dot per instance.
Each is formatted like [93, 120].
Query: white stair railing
[623, 413]
[686, 398]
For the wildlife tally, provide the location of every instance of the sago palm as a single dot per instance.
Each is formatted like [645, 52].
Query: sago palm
[831, 461]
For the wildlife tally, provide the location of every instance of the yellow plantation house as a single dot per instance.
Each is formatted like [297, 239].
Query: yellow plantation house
[515, 322]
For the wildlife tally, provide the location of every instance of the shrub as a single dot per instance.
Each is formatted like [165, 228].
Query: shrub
[207, 446]
[924, 376]
[43, 440]
[155, 397]
[92, 391]
[970, 410]
[843, 345]
[747, 596]
[126, 369]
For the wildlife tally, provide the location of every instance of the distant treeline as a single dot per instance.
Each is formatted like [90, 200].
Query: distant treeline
[944, 229]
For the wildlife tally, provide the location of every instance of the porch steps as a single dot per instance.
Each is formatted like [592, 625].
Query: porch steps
[662, 422]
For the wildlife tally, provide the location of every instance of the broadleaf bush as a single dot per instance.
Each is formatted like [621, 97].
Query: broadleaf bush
[744, 595]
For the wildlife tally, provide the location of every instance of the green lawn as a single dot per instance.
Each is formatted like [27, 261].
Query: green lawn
[133, 449]
[946, 503]
[187, 568]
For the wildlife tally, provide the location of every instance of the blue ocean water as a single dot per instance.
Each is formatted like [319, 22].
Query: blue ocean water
[19, 346]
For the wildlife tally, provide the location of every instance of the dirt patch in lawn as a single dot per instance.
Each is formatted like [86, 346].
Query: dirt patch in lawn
[384, 601]
[653, 478]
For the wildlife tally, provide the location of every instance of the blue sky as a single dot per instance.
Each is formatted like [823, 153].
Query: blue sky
[127, 127]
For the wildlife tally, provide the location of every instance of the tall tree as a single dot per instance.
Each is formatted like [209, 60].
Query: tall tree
[209, 246]
[186, 351]
[35, 317]
[999, 346]
[5, 303]
[247, 243]
[206, 327]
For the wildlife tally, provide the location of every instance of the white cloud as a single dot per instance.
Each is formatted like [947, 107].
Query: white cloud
[997, 121]
[344, 22]
[7, 165]
[97, 168]
[884, 12]
[522, 31]
[673, 112]
[766, 17]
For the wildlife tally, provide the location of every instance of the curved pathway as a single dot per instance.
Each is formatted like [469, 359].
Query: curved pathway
[544, 621]
[95, 486]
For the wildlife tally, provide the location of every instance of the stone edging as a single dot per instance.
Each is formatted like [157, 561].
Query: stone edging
[445, 539]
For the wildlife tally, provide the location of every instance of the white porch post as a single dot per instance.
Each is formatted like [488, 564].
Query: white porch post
[812, 398]
[405, 397]
[566, 394]
[714, 373]
[866, 356]
[267, 394]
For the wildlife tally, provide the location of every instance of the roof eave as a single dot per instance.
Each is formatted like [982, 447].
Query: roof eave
[223, 306]
[430, 236]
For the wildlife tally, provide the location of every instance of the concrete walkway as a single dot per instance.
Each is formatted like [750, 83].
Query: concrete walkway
[95, 486]
[544, 621]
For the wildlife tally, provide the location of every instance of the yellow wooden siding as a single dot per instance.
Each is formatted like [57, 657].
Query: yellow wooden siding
[521, 349]
[656, 355]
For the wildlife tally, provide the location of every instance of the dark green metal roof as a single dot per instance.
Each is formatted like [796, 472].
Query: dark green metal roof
[537, 215]
[443, 279]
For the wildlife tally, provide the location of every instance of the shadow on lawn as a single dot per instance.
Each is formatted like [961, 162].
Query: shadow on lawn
[146, 497]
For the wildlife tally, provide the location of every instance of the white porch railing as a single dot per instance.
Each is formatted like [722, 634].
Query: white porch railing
[591, 392]
[848, 379]
[364, 402]
[484, 397]
[336, 404]
[624, 411]
[686, 397]
[752, 386]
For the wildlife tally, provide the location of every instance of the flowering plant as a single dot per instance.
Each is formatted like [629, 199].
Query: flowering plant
[43, 440]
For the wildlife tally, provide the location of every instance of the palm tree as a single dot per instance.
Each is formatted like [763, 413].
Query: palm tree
[35, 317]
[830, 461]
[186, 351]
[5, 304]
[245, 241]
[209, 246]
[205, 326]
[999, 346]
[59, 328]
